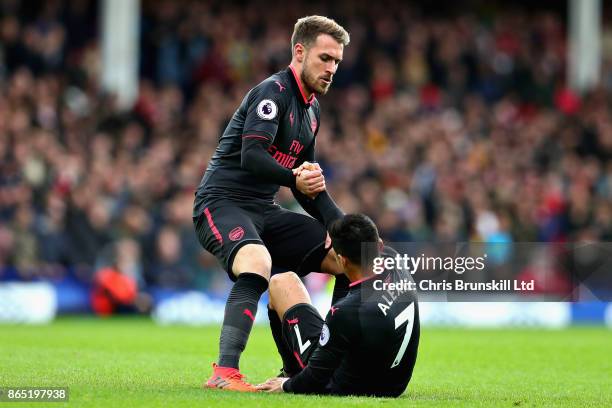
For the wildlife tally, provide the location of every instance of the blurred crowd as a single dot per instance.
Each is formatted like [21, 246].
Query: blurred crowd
[440, 127]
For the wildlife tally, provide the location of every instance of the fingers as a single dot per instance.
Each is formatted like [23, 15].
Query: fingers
[266, 385]
[307, 166]
[310, 178]
[310, 166]
[317, 187]
[311, 175]
[314, 184]
[298, 170]
[271, 385]
[315, 166]
[310, 182]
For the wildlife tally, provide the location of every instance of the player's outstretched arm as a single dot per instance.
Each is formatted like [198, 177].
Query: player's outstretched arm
[266, 105]
[322, 207]
[255, 159]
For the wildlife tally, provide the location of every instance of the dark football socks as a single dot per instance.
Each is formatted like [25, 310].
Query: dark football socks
[341, 288]
[240, 311]
[290, 366]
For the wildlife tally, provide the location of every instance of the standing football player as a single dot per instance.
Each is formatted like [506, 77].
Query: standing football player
[270, 142]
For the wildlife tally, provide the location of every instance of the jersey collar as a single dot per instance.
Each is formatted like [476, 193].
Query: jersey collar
[368, 281]
[360, 281]
[302, 95]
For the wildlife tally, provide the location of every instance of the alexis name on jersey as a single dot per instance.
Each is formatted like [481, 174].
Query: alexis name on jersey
[388, 296]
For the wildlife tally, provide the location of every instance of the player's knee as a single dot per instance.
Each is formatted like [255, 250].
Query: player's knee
[284, 281]
[253, 258]
[287, 290]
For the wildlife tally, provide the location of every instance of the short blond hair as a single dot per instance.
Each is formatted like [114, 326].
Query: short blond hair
[307, 29]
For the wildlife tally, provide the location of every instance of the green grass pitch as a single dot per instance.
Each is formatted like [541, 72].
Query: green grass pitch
[132, 362]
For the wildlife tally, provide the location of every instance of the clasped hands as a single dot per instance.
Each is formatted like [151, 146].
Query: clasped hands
[309, 179]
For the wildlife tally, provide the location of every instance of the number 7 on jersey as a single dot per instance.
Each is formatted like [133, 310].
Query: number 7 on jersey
[406, 315]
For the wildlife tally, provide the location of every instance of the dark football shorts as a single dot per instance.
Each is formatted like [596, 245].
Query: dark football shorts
[296, 242]
[302, 325]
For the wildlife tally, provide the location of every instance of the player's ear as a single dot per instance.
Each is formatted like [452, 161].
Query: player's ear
[343, 262]
[338, 259]
[299, 52]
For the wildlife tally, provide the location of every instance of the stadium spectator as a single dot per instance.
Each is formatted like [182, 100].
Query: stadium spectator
[455, 127]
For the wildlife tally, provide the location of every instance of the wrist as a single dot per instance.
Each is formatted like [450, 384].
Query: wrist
[283, 384]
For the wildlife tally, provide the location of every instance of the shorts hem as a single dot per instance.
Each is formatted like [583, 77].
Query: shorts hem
[292, 308]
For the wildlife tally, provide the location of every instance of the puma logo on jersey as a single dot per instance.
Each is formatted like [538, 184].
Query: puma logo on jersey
[249, 313]
[281, 87]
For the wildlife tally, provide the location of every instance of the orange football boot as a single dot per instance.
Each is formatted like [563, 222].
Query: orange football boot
[230, 379]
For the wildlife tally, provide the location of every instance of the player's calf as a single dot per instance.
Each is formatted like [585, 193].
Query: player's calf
[299, 324]
[286, 290]
[251, 265]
